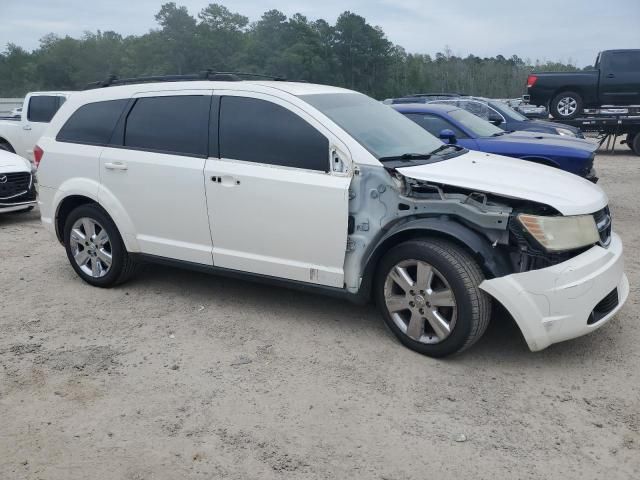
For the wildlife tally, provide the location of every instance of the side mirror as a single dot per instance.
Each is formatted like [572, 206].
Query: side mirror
[448, 136]
[495, 119]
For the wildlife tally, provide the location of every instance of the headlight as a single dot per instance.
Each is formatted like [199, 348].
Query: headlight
[565, 131]
[556, 234]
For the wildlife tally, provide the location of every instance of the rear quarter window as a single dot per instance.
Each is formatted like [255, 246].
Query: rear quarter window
[42, 108]
[93, 123]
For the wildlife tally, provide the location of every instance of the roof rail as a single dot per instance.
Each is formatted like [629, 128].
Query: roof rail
[113, 80]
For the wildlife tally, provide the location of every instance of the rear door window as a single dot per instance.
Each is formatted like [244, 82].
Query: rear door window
[93, 123]
[172, 124]
[624, 62]
[42, 108]
[259, 131]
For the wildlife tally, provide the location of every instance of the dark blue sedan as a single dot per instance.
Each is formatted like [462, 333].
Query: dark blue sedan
[454, 125]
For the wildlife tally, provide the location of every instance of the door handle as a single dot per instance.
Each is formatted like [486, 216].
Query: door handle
[26, 127]
[115, 166]
[225, 180]
[611, 75]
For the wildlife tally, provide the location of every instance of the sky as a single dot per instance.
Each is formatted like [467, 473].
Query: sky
[564, 30]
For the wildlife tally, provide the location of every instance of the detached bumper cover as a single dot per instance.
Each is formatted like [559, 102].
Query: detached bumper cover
[558, 303]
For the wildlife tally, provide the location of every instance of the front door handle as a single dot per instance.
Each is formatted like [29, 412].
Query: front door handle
[115, 166]
[26, 127]
[611, 75]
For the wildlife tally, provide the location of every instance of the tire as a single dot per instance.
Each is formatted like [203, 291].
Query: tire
[453, 296]
[629, 140]
[566, 105]
[635, 143]
[95, 269]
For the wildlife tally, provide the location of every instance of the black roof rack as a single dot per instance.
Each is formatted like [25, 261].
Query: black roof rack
[113, 80]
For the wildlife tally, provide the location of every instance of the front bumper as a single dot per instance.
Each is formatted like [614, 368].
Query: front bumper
[566, 300]
[15, 207]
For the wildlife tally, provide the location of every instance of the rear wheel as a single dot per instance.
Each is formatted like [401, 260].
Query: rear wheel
[429, 296]
[566, 105]
[95, 248]
[633, 142]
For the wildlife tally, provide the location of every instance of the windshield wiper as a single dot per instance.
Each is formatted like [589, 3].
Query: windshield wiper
[497, 134]
[441, 148]
[407, 156]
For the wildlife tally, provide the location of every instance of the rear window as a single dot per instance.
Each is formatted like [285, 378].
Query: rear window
[92, 123]
[175, 124]
[42, 108]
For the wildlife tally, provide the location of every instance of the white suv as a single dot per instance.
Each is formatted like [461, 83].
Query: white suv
[319, 187]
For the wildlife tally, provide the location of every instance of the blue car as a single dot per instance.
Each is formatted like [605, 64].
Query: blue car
[494, 111]
[456, 126]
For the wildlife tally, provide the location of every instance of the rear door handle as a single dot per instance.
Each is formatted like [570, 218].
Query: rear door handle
[115, 166]
[611, 75]
[225, 180]
[26, 127]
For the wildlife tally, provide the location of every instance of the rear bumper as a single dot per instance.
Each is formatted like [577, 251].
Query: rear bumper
[567, 300]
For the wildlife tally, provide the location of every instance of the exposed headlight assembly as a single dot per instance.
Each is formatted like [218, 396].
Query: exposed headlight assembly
[557, 234]
[565, 132]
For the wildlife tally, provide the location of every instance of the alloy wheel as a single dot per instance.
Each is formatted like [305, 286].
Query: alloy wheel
[567, 106]
[420, 301]
[91, 247]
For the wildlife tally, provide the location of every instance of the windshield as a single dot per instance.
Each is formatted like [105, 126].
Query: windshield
[375, 126]
[476, 125]
[508, 111]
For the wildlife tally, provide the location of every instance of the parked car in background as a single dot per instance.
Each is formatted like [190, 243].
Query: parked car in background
[526, 109]
[20, 134]
[16, 112]
[17, 186]
[456, 126]
[614, 80]
[496, 112]
[318, 187]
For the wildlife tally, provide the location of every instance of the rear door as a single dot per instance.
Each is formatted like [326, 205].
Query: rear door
[40, 110]
[276, 206]
[620, 78]
[153, 172]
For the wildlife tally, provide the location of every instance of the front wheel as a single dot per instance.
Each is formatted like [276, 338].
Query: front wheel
[566, 105]
[95, 248]
[429, 296]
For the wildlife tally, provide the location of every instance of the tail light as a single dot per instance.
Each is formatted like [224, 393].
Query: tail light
[531, 81]
[37, 155]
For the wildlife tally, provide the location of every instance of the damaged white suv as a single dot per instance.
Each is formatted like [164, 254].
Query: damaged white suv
[319, 187]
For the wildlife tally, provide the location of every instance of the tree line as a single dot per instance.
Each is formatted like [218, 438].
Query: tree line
[352, 54]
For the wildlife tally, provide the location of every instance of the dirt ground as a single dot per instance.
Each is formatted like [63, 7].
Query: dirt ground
[179, 375]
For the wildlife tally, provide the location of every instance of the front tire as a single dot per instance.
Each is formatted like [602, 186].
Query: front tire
[566, 105]
[95, 248]
[428, 293]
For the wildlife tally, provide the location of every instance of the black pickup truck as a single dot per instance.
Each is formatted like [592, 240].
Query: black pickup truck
[615, 80]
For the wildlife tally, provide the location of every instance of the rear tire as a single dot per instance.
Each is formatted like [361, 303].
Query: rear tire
[566, 105]
[95, 248]
[634, 142]
[446, 316]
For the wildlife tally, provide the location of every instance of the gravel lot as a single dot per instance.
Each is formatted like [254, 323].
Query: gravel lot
[183, 375]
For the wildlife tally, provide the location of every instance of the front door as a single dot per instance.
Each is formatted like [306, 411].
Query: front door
[155, 173]
[620, 85]
[276, 207]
